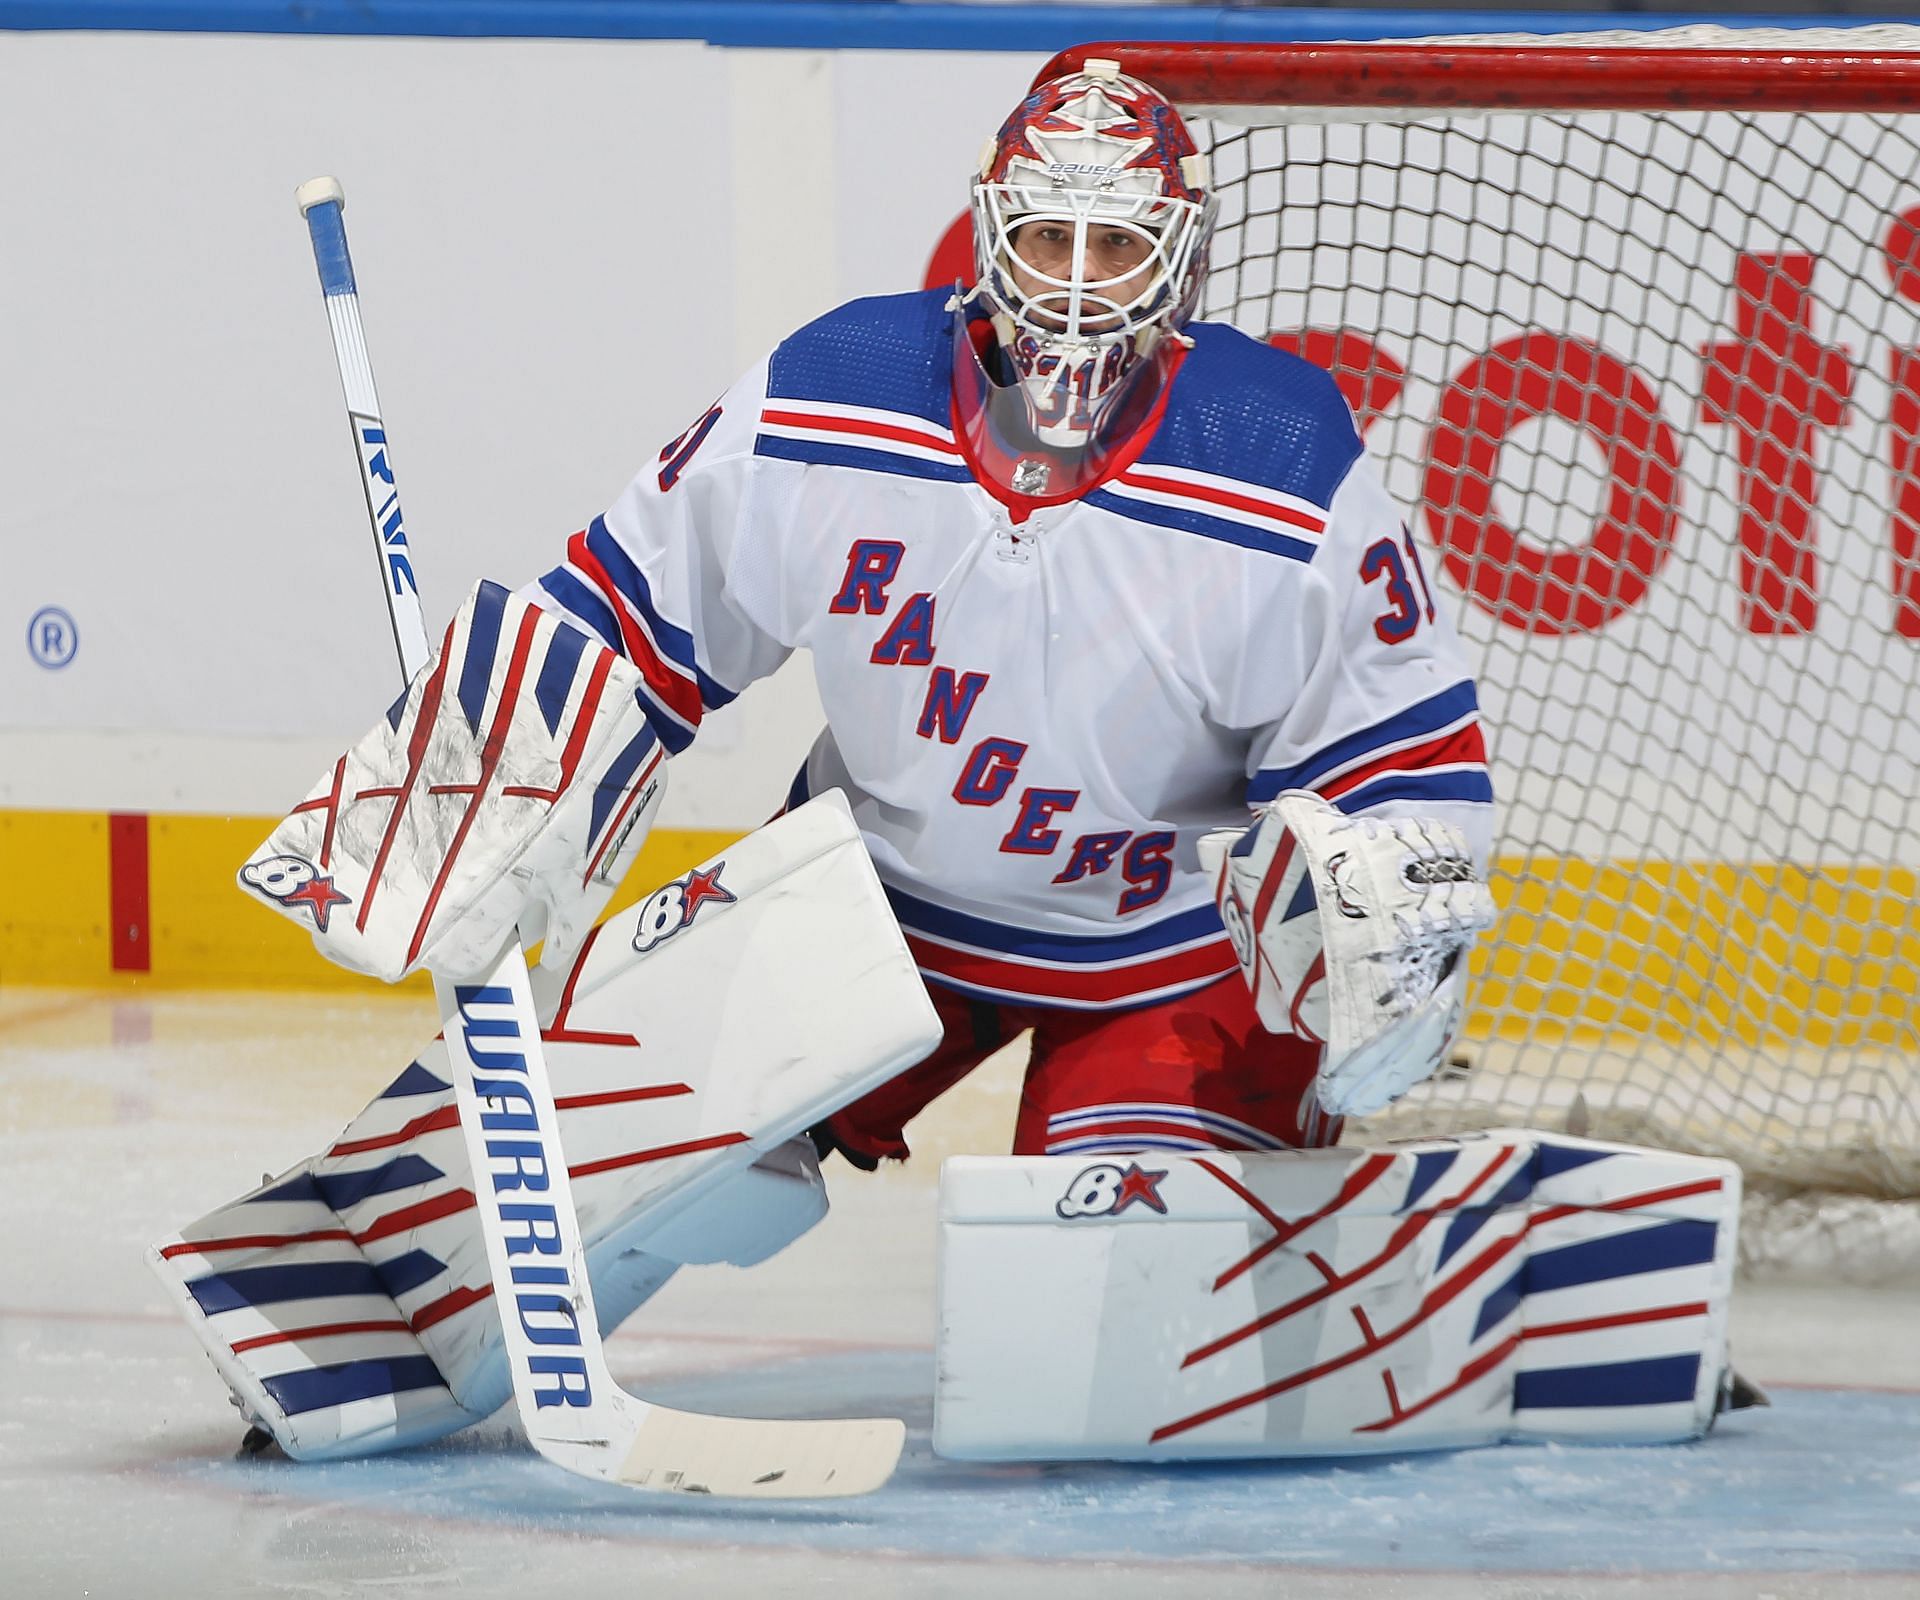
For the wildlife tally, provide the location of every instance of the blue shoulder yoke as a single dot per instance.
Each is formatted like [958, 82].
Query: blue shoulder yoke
[891, 352]
[1242, 409]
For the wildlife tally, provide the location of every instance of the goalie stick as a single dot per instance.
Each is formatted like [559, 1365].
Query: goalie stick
[574, 1413]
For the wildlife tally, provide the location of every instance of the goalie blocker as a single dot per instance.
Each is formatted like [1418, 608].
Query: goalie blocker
[1433, 1294]
[513, 783]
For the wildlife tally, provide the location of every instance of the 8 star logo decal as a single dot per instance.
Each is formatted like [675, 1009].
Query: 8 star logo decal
[1108, 1189]
[297, 883]
[666, 911]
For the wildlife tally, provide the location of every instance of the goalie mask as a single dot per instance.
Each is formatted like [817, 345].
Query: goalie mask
[1091, 218]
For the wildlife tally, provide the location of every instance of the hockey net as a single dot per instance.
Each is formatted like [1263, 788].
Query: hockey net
[1632, 324]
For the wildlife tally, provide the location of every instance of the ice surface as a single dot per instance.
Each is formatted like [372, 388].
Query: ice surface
[123, 1115]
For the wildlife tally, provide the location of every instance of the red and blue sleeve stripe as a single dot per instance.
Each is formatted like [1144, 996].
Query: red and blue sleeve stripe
[1434, 750]
[604, 588]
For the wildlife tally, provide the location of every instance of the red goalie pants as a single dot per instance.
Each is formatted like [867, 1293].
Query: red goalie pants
[1195, 1073]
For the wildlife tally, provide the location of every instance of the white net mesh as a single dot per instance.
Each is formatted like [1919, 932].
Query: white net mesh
[1651, 383]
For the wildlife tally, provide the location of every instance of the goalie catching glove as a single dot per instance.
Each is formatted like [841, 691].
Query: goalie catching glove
[511, 785]
[1349, 931]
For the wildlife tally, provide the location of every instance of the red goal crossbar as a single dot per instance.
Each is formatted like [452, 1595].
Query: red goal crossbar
[1622, 77]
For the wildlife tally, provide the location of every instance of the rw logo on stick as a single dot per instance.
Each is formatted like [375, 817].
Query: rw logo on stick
[371, 435]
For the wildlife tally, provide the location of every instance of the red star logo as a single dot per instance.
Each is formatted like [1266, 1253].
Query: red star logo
[1050, 121]
[1045, 111]
[1136, 1184]
[319, 897]
[1131, 127]
[702, 887]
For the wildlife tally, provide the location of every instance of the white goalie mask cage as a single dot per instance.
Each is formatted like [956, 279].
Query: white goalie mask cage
[1089, 160]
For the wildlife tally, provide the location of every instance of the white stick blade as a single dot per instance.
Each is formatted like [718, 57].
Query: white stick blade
[687, 1453]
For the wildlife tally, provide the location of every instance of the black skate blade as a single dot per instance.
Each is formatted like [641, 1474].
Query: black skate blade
[1738, 1394]
[255, 1442]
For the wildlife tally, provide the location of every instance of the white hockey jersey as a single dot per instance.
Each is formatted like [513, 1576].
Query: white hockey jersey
[1035, 712]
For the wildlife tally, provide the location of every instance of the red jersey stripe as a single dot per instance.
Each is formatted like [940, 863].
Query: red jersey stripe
[1109, 986]
[677, 692]
[1143, 478]
[857, 425]
[1466, 744]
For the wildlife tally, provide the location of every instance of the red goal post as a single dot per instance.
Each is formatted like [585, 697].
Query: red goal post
[1631, 322]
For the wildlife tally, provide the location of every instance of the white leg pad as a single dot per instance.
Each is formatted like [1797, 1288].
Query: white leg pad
[348, 1303]
[1428, 1295]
